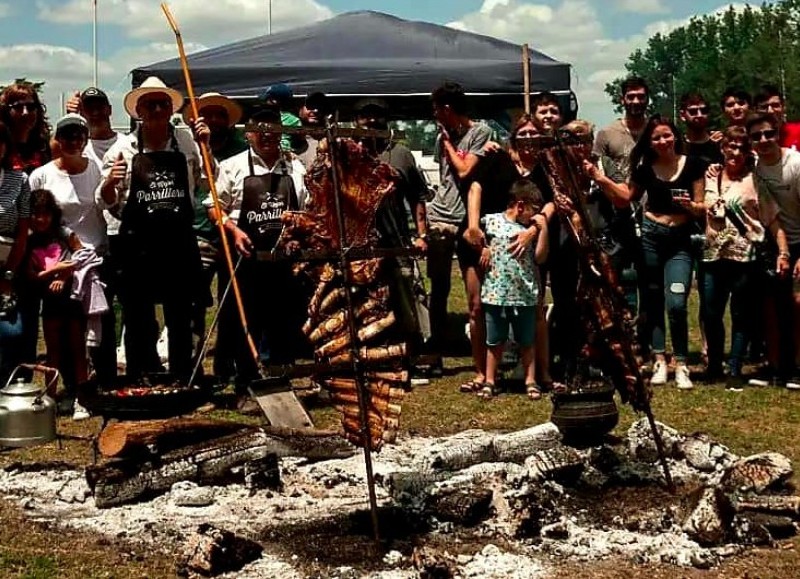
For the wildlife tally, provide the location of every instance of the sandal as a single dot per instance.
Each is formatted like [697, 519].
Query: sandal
[487, 391]
[471, 386]
[533, 391]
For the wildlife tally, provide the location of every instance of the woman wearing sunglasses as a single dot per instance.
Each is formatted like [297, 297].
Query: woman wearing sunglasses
[735, 223]
[24, 114]
[672, 185]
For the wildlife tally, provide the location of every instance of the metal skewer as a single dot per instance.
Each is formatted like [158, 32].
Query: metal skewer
[644, 400]
[361, 389]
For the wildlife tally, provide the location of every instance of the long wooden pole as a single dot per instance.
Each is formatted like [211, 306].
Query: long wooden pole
[209, 168]
[526, 77]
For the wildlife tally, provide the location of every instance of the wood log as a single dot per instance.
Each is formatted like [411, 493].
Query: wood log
[131, 437]
[127, 480]
[774, 505]
[211, 551]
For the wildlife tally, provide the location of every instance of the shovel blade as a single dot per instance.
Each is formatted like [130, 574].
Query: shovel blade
[279, 403]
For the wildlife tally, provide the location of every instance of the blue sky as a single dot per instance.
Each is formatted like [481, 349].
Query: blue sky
[51, 39]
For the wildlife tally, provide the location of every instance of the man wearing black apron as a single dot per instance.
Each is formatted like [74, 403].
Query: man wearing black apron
[152, 173]
[255, 187]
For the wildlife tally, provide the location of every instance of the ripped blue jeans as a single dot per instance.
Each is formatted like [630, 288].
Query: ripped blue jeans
[667, 261]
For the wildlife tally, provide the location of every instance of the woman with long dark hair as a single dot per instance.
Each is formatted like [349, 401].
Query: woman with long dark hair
[672, 187]
[25, 116]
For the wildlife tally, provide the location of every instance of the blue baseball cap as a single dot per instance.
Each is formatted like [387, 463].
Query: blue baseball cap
[279, 92]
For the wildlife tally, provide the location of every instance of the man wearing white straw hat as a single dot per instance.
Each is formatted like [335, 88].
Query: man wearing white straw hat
[221, 115]
[151, 176]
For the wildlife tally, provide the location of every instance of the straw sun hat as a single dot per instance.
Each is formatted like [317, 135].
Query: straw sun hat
[215, 99]
[151, 85]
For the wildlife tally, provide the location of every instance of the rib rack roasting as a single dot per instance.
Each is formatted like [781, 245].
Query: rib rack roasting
[364, 183]
[609, 326]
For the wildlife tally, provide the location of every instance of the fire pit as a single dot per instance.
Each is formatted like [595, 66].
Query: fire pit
[152, 396]
[489, 499]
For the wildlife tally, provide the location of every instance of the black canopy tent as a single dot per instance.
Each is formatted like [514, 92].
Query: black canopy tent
[368, 53]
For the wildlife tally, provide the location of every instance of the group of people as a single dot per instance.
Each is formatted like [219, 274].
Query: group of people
[89, 216]
[721, 206]
[92, 216]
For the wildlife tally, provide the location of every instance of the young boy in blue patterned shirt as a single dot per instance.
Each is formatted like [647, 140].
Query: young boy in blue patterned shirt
[511, 287]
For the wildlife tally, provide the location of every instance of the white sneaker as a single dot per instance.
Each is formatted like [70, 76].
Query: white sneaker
[79, 412]
[682, 380]
[659, 377]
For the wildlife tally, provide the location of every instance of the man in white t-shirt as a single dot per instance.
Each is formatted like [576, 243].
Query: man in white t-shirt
[777, 175]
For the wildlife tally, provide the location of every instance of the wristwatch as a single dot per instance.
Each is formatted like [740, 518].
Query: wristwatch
[8, 275]
[423, 237]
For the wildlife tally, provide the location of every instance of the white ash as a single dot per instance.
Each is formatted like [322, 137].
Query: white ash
[493, 563]
[318, 491]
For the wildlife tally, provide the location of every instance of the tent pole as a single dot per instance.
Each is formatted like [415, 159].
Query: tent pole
[526, 77]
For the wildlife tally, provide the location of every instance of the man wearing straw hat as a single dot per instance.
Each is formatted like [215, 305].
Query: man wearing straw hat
[221, 114]
[151, 176]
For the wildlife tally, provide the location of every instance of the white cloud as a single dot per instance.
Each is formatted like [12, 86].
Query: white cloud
[569, 31]
[642, 6]
[213, 21]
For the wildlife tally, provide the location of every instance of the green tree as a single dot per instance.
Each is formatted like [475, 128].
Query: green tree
[742, 48]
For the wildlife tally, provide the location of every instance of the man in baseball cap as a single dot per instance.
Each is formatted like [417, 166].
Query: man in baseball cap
[280, 96]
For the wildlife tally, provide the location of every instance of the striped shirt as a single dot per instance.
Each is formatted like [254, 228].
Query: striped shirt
[15, 201]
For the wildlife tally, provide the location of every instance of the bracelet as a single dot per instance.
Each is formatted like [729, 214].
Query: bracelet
[783, 255]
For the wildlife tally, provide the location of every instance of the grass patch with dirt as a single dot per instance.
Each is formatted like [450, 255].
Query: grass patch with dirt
[755, 420]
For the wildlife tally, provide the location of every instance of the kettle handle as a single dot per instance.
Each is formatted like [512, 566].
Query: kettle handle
[38, 368]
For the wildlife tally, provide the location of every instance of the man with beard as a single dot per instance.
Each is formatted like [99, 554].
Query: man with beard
[694, 112]
[612, 148]
[616, 141]
[770, 100]
[312, 115]
[459, 146]
[221, 115]
[392, 218]
[777, 175]
[255, 187]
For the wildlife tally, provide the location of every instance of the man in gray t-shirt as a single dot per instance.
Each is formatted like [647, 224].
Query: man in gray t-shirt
[459, 147]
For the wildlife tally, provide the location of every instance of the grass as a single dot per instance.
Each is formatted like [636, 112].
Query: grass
[755, 420]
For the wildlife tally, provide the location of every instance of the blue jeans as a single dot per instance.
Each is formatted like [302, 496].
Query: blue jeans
[724, 279]
[667, 261]
[11, 345]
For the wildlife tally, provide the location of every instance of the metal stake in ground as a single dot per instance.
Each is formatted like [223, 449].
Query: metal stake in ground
[361, 385]
[632, 362]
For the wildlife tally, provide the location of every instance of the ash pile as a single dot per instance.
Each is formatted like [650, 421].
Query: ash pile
[467, 505]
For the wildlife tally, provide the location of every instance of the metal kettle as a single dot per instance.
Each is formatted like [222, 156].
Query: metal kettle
[27, 411]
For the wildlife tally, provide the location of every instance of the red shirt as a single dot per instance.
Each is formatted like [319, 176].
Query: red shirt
[790, 136]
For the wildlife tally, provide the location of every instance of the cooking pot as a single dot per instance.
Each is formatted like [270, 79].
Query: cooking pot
[585, 415]
[27, 411]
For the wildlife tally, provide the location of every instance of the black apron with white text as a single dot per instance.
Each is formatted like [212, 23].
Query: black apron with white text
[264, 199]
[160, 247]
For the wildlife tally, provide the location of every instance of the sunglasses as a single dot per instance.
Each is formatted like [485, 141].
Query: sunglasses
[696, 111]
[71, 135]
[19, 107]
[153, 104]
[768, 134]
